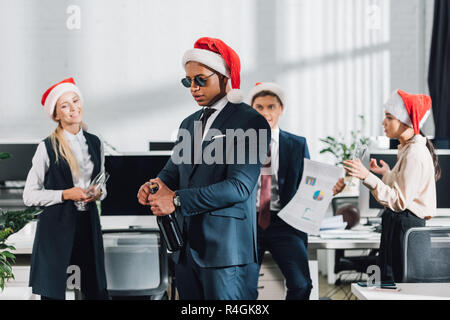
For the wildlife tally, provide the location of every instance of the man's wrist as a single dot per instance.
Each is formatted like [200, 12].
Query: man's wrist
[176, 200]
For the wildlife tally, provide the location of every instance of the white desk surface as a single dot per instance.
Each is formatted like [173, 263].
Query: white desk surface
[315, 242]
[16, 293]
[408, 291]
[23, 240]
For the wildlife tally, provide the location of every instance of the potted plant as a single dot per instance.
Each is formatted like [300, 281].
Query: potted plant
[343, 149]
[10, 222]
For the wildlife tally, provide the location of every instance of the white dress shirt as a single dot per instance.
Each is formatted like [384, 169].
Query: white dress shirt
[275, 204]
[219, 105]
[35, 194]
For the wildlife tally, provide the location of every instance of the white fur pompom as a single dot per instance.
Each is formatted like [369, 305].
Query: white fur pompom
[235, 96]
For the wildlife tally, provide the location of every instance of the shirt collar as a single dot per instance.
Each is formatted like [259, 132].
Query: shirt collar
[73, 137]
[275, 134]
[219, 105]
[418, 138]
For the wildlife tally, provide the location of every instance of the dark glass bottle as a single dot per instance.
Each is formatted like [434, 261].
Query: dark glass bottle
[168, 227]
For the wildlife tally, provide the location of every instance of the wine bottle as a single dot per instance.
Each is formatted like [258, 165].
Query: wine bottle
[168, 227]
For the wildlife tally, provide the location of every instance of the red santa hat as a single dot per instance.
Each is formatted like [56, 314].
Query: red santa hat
[53, 93]
[217, 55]
[266, 86]
[411, 109]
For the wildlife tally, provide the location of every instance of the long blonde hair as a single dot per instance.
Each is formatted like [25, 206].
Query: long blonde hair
[61, 148]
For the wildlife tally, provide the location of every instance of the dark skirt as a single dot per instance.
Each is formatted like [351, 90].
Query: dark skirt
[394, 226]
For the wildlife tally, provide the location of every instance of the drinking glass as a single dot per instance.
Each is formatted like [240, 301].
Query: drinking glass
[359, 152]
[98, 183]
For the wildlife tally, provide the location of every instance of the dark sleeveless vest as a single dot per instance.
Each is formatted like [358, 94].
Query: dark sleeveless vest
[56, 226]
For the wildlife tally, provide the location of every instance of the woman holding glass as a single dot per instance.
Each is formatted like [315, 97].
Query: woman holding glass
[68, 231]
[408, 191]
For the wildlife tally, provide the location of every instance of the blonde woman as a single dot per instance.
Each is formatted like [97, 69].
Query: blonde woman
[62, 168]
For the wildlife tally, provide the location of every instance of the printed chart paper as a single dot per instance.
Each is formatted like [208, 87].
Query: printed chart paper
[307, 208]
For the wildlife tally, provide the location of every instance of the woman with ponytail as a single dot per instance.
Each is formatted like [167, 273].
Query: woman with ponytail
[408, 191]
[68, 232]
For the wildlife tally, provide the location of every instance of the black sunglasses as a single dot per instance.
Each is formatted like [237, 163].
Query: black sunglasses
[201, 82]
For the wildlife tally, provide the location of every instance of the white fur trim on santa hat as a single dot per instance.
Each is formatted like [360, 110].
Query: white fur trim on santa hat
[425, 117]
[208, 58]
[267, 86]
[58, 91]
[395, 106]
[235, 96]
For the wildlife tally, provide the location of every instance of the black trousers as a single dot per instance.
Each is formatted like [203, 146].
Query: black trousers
[394, 226]
[83, 256]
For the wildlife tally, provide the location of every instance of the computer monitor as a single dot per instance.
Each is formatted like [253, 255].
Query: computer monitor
[370, 207]
[127, 174]
[16, 168]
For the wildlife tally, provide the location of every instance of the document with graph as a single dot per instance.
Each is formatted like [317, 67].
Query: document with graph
[307, 208]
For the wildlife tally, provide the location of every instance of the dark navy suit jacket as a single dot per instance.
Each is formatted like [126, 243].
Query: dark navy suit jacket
[292, 151]
[218, 212]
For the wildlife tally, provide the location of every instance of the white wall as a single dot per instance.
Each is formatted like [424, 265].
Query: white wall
[411, 30]
[332, 56]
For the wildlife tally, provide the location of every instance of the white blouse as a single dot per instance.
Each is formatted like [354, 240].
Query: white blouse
[34, 193]
[410, 184]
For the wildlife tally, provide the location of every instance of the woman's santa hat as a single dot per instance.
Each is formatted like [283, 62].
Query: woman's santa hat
[217, 55]
[266, 86]
[411, 109]
[53, 93]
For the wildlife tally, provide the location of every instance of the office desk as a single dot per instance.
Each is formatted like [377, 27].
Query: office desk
[315, 243]
[408, 291]
[23, 240]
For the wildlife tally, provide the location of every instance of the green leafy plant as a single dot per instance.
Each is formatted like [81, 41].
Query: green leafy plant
[10, 222]
[4, 155]
[343, 149]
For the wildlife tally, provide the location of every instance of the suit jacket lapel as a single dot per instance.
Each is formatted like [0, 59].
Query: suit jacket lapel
[190, 128]
[218, 123]
[223, 116]
[283, 161]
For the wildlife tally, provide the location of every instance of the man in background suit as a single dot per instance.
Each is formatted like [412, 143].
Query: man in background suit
[214, 203]
[278, 183]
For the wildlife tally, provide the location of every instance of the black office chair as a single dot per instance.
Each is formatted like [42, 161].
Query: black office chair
[136, 264]
[427, 255]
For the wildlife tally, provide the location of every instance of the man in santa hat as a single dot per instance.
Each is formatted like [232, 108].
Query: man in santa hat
[277, 185]
[214, 204]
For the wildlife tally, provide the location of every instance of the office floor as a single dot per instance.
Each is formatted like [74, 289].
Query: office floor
[337, 292]
[328, 291]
